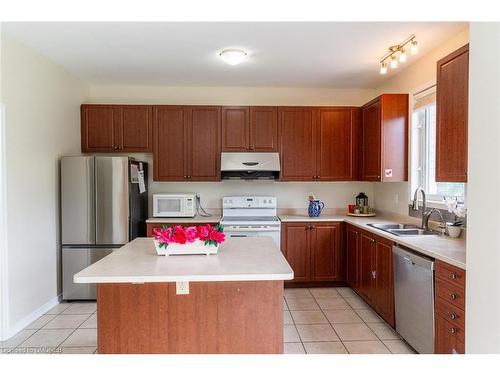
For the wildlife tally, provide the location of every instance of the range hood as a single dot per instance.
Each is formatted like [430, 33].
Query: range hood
[250, 165]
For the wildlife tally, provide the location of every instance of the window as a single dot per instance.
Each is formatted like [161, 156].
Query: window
[423, 150]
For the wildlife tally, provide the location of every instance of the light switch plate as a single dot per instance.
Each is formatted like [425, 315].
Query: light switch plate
[182, 287]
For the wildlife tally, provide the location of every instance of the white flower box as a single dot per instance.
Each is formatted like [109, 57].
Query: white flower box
[196, 247]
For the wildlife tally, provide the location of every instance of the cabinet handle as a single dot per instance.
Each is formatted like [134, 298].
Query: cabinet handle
[453, 276]
[372, 239]
[453, 330]
[453, 316]
[453, 296]
[318, 177]
[189, 177]
[374, 274]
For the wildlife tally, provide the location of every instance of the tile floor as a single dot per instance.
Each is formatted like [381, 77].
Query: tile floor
[335, 321]
[69, 328]
[316, 321]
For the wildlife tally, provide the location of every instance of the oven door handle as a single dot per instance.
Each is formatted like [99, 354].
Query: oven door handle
[250, 229]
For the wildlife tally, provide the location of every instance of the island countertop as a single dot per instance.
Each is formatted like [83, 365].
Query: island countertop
[238, 259]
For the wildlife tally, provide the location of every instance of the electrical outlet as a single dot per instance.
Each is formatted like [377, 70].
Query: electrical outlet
[182, 287]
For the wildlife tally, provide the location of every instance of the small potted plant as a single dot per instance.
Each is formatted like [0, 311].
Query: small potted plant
[179, 240]
[458, 208]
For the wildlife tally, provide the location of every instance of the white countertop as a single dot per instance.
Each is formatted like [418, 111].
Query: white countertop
[181, 220]
[238, 259]
[447, 249]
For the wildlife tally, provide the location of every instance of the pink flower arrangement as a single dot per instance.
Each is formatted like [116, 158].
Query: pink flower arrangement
[210, 235]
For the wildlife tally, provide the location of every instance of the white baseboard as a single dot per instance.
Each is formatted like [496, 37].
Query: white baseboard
[21, 324]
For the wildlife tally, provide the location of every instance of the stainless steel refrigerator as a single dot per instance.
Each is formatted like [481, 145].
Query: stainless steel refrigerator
[102, 208]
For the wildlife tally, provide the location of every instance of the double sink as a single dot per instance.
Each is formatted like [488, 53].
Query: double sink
[403, 229]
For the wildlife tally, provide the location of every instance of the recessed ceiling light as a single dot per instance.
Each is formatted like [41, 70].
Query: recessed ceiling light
[233, 56]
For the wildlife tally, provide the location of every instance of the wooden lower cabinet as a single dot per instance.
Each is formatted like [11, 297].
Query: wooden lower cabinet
[369, 270]
[449, 337]
[314, 251]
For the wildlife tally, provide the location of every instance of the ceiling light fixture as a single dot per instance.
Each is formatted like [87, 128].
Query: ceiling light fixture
[233, 56]
[398, 52]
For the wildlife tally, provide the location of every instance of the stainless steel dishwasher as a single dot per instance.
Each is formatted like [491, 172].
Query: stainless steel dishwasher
[414, 298]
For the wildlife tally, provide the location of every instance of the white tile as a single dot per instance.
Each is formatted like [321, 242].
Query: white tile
[81, 337]
[356, 303]
[369, 316]
[398, 347]
[293, 348]
[297, 293]
[58, 308]
[383, 331]
[302, 304]
[77, 308]
[290, 333]
[346, 292]
[324, 292]
[41, 321]
[287, 318]
[332, 303]
[285, 306]
[316, 332]
[366, 347]
[17, 339]
[75, 350]
[47, 338]
[308, 317]
[342, 316]
[354, 332]
[66, 321]
[325, 348]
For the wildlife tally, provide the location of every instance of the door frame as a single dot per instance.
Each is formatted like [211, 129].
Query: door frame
[4, 300]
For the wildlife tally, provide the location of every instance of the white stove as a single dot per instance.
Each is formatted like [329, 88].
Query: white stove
[251, 216]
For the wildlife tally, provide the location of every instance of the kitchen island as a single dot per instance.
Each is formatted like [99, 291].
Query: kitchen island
[234, 303]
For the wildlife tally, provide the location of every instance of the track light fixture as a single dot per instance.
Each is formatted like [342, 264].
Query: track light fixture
[398, 52]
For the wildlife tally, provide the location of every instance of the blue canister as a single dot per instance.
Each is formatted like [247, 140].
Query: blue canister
[315, 208]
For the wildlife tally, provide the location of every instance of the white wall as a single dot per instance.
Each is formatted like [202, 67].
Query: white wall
[483, 194]
[290, 195]
[42, 123]
[394, 197]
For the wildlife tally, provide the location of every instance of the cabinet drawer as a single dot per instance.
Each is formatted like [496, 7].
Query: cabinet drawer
[451, 293]
[449, 337]
[450, 273]
[450, 312]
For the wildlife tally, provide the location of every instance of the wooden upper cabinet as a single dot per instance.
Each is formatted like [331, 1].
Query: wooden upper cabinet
[384, 146]
[326, 252]
[235, 129]
[451, 116]
[335, 139]
[249, 129]
[169, 147]
[186, 143]
[204, 128]
[136, 130]
[116, 128]
[263, 129]
[297, 145]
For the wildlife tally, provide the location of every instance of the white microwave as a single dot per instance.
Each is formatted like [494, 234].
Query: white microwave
[174, 205]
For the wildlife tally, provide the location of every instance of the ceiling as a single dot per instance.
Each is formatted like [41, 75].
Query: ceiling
[330, 54]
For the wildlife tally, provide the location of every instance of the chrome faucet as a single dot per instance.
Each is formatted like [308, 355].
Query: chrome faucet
[424, 204]
[428, 215]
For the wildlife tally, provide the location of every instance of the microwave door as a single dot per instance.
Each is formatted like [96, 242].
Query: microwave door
[112, 200]
[77, 200]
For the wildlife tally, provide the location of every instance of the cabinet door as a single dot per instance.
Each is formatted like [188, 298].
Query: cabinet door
[235, 129]
[98, 123]
[295, 247]
[204, 143]
[170, 138]
[352, 257]
[384, 285]
[297, 146]
[335, 144]
[451, 116]
[449, 337]
[136, 129]
[326, 257]
[366, 267]
[371, 142]
[264, 129]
